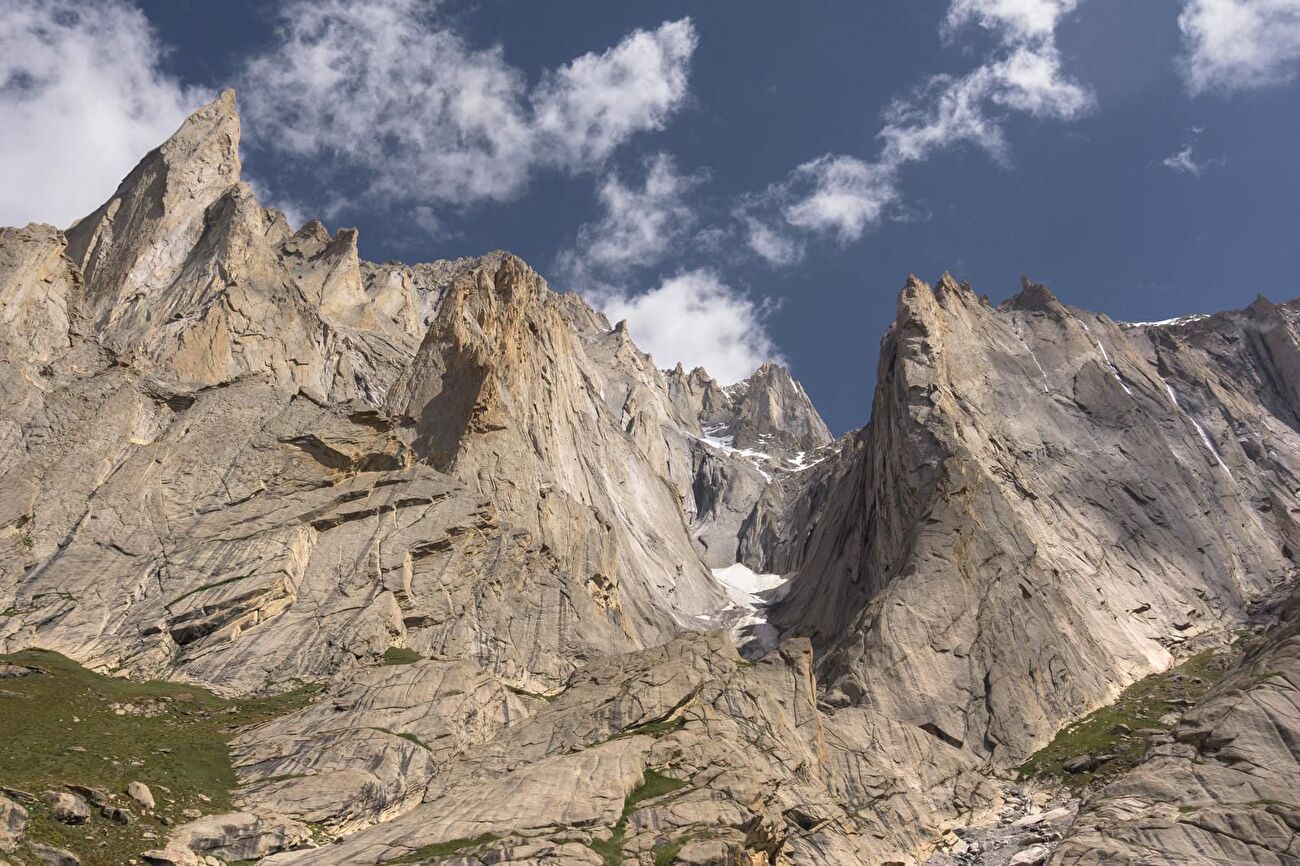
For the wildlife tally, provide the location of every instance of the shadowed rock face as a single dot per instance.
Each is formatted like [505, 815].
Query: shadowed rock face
[239, 455]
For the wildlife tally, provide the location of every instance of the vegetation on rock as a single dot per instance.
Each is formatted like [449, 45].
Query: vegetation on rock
[66, 725]
[1120, 732]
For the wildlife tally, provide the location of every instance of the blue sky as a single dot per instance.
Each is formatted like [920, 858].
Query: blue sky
[740, 179]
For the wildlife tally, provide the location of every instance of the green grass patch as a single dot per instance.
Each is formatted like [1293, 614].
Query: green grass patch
[60, 727]
[1139, 706]
[656, 784]
[410, 738]
[668, 854]
[400, 655]
[442, 849]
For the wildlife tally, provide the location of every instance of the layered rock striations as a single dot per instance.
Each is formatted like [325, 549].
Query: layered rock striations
[240, 456]
[1044, 508]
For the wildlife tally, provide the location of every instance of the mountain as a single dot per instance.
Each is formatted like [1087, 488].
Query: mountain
[482, 584]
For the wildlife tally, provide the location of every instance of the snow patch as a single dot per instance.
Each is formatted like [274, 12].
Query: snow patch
[1113, 369]
[1047, 389]
[1106, 357]
[1177, 320]
[1205, 437]
[799, 462]
[750, 595]
[744, 585]
[726, 444]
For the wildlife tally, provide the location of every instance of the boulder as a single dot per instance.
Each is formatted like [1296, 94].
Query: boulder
[67, 808]
[51, 855]
[95, 796]
[239, 835]
[13, 823]
[117, 814]
[140, 792]
[1035, 855]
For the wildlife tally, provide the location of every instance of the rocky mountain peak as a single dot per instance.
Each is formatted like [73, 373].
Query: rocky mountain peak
[1033, 296]
[771, 407]
[164, 197]
[521, 563]
[767, 412]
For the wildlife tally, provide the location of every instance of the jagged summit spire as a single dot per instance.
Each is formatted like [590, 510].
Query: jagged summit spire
[1033, 296]
[203, 153]
[157, 213]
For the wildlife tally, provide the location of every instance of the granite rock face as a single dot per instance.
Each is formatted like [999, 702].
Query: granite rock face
[240, 456]
[1044, 508]
[1224, 790]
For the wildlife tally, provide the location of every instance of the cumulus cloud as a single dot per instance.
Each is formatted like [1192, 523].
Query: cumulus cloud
[82, 98]
[844, 196]
[1239, 44]
[692, 317]
[696, 319]
[390, 88]
[589, 107]
[637, 225]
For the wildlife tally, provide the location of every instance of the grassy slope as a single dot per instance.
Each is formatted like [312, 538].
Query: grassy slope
[181, 752]
[655, 785]
[1139, 706]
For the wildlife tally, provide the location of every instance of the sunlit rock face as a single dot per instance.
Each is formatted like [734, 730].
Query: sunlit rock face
[642, 614]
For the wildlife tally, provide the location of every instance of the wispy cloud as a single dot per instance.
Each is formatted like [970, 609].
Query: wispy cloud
[1186, 161]
[390, 89]
[637, 226]
[295, 213]
[82, 98]
[839, 194]
[772, 244]
[1183, 162]
[844, 196]
[1233, 45]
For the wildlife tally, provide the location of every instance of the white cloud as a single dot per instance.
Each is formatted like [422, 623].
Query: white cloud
[846, 196]
[692, 317]
[424, 217]
[772, 245]
[637, 227]
[1025, 77]
[840, 194]
[589, 107]
[1239, 44]
[1031, 80]
[1016, 21]
[696, 319]
[946, 111]
[82, 98]
[1185, 161]
[387, 86]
